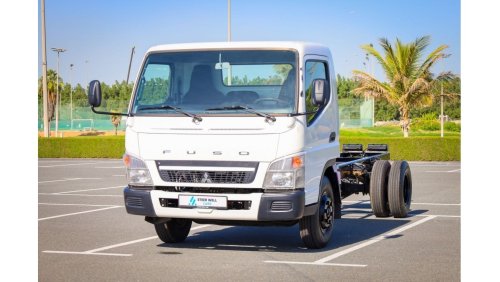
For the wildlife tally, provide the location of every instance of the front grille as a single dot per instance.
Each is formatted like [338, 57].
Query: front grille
[281, 206]
[217, 172]
[192, 176]
[134, 201]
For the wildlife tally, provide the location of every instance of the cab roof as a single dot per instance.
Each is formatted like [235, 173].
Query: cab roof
[301, 47]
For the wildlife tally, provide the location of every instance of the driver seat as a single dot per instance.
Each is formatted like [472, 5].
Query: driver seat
[202, 89]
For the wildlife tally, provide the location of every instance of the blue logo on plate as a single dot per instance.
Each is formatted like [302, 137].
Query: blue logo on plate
[192, 201]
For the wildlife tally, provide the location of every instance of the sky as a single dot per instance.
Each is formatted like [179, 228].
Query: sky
[99, 35]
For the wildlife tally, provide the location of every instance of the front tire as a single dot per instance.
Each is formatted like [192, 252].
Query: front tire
[175, 230]
[316, 230]
[400, 189]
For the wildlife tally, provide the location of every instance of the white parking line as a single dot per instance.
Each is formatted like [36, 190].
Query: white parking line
[120, 175]
[372, 241]
[76, 213]
[413, 203]
[67, 179]
[121, 167]
[324, 261]
[83, 253]
[94, 189]
[98, 250]
[82, 205]
[443, 171]
[315, 263]
[85, 195]
[435, 204]
[65, 165]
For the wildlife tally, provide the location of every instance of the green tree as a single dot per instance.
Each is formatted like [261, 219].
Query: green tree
[51, 92]
[410, 81]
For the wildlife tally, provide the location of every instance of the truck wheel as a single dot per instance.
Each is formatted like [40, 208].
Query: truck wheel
[378, 188]
[174, 231]
[400, 189]
[316, 230]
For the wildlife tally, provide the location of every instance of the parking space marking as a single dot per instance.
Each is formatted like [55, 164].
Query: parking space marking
[424, 204]
[94, 189]
[315, 263]
[435, 204]
[84, 253]
[323, 261]
[68, 179]
[82, 205]
[98, 250]
[120, 167]
[120, 175]
[84, 195]
[444, 171]
[372, 241]
[58, 165]
[77, 213]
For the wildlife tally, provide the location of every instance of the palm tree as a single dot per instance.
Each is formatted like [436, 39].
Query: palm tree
[115, 120]
[410, 82]
[51, 91]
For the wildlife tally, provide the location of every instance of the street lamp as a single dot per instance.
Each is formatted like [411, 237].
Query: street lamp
[71, 95]
[58, 50]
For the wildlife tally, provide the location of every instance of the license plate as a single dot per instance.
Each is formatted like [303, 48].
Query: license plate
[202, 201]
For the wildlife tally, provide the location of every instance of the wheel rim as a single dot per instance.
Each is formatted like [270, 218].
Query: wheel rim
[326, 212]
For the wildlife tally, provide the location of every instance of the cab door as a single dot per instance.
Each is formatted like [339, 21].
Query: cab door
[321, 134]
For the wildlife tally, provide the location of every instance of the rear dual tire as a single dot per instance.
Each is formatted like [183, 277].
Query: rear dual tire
[400, 189]
[390, 189]
[378, 188]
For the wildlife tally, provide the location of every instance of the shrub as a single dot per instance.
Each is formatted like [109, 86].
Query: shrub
[451, 126]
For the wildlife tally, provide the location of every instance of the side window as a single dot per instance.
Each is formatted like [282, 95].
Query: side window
[314, 70]
[155, 84]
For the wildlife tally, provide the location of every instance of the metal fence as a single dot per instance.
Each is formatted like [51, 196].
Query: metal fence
[79, 117]
[356, 113]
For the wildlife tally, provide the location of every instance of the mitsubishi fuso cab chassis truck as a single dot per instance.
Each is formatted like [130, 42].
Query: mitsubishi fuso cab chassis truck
[246, 133]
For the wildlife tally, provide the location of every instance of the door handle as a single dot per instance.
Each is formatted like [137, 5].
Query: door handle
[333, 136]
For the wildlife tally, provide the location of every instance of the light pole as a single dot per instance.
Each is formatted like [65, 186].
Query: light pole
[58, 50]
[442, 111]
[46, 126]
[229, 20]
[71, 95]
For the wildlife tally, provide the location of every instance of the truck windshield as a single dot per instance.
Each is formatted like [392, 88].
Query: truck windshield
[199, 81]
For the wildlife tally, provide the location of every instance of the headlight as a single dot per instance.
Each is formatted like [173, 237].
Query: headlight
[137, 171]
[286, 173]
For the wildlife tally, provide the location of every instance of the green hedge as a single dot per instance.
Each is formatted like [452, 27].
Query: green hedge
[414, 148]
[411, 149]
[82, 147]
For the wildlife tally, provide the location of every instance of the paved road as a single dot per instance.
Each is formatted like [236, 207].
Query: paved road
[85, 234]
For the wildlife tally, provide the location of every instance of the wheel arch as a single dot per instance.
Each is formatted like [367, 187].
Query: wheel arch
[332, 175]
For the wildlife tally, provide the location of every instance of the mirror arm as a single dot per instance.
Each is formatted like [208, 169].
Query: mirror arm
[108, 113]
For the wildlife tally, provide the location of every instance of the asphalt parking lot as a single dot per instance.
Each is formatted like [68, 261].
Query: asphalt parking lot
[85, 234]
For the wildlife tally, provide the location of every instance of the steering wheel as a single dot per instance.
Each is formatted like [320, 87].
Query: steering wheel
[275, 100]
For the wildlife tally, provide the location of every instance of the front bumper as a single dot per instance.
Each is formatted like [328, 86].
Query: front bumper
[284, 206]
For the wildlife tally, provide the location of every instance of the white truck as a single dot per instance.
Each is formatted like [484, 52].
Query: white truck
[246, 133]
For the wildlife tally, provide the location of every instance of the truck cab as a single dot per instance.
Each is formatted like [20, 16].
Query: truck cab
[234, 133]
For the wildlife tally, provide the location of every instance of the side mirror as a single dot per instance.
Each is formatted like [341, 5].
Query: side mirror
[95, 93]
[320, 92]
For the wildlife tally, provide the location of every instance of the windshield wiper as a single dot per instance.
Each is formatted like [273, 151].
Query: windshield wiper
[196, 118]
[247, 109]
